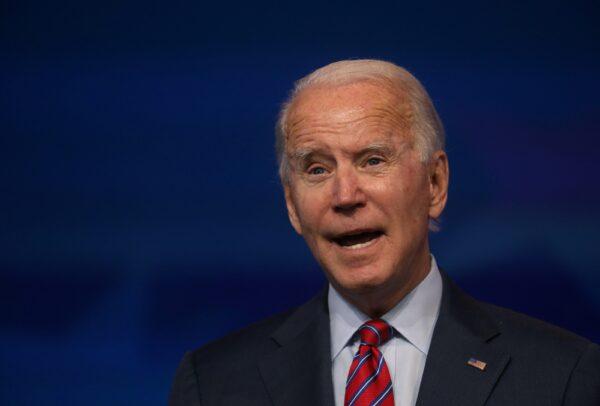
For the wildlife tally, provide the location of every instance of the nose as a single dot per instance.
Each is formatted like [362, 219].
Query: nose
[347, 191]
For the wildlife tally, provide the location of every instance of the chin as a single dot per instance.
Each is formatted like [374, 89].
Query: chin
[361, 280]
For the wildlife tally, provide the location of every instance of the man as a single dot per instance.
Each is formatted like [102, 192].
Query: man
[362, 162]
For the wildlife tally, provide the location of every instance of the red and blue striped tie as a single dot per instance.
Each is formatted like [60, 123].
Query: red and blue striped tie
[369, 382]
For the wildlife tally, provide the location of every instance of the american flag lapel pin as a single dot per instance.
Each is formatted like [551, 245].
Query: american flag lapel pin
[475, 363]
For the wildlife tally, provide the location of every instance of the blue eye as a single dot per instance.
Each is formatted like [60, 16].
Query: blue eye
[317, 171]
[374, 161]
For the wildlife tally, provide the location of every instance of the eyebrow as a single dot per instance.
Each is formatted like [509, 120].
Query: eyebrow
[380, 147]
[304, 154]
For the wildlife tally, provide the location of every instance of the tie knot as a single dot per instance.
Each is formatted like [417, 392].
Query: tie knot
[375, 332]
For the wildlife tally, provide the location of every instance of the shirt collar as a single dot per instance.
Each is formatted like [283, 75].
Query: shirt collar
[413, 317]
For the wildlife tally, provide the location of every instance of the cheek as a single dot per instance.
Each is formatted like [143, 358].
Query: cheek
[404, 198]
[311, 207]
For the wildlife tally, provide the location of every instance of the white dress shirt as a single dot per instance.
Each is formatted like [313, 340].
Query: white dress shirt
[413, 320]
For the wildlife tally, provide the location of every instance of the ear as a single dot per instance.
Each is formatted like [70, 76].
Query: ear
[439, 174]
[291, 208]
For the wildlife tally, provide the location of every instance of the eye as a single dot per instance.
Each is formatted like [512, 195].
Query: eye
[316, 170]
[374, 161]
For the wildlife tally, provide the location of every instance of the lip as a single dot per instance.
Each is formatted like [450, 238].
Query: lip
[331, 236]
[360, 246]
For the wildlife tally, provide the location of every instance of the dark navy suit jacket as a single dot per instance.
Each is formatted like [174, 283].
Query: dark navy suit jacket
[285, 361]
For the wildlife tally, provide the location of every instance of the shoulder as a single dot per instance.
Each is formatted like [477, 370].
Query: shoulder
[206, 374]
[543, 361]
[534, 334]
[540, 349]
[517, 332]
[550, 355]
[241, 346]
[203, 370]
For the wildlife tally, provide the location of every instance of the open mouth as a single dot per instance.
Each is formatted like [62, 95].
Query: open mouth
[358, 239]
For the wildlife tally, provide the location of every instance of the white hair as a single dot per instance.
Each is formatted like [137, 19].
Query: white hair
[424, 122]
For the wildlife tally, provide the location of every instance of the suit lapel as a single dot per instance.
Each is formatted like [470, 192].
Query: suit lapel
[463, 331]
[299, 371]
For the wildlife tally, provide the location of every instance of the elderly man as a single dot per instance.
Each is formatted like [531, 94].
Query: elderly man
[362, 162]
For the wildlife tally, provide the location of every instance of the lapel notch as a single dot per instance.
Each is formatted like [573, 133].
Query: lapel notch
[299, 371]
[463, 332]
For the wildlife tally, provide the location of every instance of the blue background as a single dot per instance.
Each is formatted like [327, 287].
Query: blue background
[141, 213]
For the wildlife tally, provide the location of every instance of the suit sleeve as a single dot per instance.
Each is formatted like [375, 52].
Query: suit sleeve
[583, 388]
[184, 391]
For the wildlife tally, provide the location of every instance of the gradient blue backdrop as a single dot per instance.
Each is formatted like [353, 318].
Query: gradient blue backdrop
[141, 214]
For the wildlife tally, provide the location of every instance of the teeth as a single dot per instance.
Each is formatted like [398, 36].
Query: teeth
[361, 245]
[357, 241]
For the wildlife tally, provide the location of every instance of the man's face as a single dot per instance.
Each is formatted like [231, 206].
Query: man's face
[358, 192]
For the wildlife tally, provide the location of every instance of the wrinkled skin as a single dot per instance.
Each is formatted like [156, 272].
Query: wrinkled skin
[359, 193]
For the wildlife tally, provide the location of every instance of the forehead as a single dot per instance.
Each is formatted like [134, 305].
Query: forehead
[351, 109]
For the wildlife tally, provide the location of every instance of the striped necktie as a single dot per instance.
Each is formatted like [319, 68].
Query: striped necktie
[369, 382]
